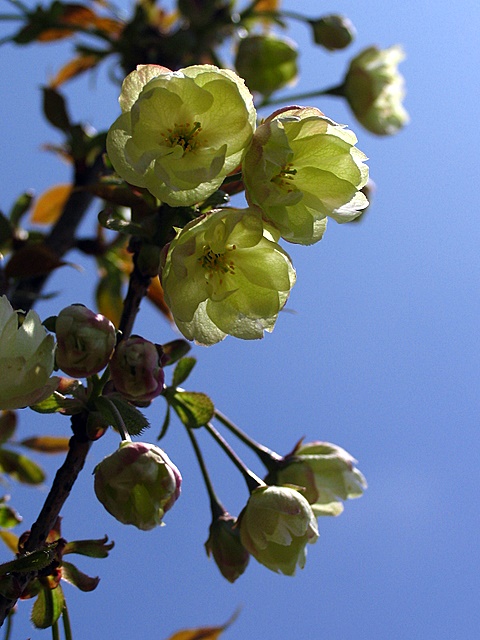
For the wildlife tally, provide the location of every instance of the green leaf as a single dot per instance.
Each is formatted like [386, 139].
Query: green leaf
[34, 561]
[55, 109]
[166, 424]
[47, 607]
[92, 548]
[8, 517]
[10, 539]
[53, 404]
[20, 207]
[6, 230]
[133, 420]
[194, 409]
[20, 467]
[174, 350]
[74, 576]
[183, 370]
[8, 425]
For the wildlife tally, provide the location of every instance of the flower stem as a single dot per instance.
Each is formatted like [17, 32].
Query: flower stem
[216, 506]
[268, 457]
[67, 628]
[331, 91]
[119, 424]
[55, 631]
[252, 480]
[8, 628]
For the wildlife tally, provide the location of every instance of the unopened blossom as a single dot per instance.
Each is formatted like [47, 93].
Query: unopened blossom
[325, 472]
[224, 273]
[302, 167]
[227, 549]
[375, 89]
[137, 484]
[26, 358]
[85, 341]
[275, 527]
[136, 369]
[181, 132]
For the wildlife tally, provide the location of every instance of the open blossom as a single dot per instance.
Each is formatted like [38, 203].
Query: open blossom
[375, 89]
[225, 274]
[137, 484]
[182, 132]
[26, 359]
[325, 472]
[275, 527]
[302, 167]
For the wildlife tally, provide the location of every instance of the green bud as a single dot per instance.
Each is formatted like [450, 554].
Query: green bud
[85, 341]
[375, 89]
[333, 32]
[226, 547]
[137, 484]
[275, 527]
[266, 62]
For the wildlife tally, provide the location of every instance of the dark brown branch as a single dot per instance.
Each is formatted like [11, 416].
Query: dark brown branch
[64, 480]
[62, 235]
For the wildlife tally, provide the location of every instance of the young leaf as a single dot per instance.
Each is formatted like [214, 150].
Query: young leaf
[34, 561]
[20, 467]
[182, 371]
[54, 403]
[8, 517]
[10, 539]
[55, 109]
[174, 350]
[194, 409]
[74, 576]
[133, 419]
[93, 548]
[166, 424]
[8, 424]
[47, 607]
[20, 207]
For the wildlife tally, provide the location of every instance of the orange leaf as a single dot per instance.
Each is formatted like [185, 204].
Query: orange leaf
[155, 295]
[73, 68]
[203, 633]
[49, 205]
[267, 5]
[47, 444]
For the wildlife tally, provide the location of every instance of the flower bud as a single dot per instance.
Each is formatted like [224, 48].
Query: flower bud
[276, 526]
[137, 484]
[266, 62]
[136, 369]
[226, 547]
[326, 473]
[333, 32]
[27, 358]
[85, 341]
[375, 89]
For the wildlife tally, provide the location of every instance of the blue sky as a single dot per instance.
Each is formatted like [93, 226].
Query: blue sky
[381, 357]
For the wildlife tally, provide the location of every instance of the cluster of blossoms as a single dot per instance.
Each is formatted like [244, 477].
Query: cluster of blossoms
[179, 136]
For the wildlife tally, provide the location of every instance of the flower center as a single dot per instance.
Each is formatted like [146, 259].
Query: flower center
[284, 179]
[183, 135]
[218, 264]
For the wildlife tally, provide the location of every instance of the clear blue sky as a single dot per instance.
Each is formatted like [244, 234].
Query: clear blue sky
[381, 357]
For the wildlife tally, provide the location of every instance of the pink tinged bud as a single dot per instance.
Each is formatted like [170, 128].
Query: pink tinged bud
[275, 527]
[85, 341]
[226, 547]
[137, 484]
[136, 369]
